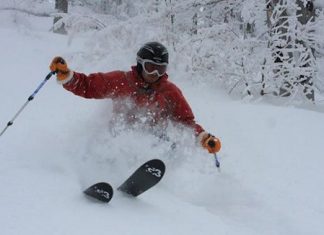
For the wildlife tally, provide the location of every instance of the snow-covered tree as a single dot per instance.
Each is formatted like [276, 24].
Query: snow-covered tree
[290, 70]
[250, 47]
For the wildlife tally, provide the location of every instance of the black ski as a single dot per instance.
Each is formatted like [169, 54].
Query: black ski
[101, 191]
[144, 178]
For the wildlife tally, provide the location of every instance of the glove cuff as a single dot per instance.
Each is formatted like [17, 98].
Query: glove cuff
[201, 136]
[67, 79]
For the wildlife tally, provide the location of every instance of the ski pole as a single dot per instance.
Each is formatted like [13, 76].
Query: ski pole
[30, 98]
[216, 161]
[212, 144]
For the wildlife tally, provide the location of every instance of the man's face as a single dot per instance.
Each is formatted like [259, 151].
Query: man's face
[152, 71]
[150, 78]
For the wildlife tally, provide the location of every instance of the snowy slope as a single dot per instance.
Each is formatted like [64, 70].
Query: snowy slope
[272, 157]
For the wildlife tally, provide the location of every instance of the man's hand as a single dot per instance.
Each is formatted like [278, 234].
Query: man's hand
[59, 66]
[209, 142]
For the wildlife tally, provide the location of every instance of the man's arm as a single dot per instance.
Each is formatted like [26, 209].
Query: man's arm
[180, 109]
[96, 85]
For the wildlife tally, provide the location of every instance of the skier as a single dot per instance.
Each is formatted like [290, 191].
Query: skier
[144, 87]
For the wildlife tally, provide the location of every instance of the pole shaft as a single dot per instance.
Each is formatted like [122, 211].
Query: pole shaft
[30, 98]
[216, 161]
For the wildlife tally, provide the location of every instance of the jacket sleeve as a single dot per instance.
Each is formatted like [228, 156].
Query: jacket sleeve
[180, 109]
[97, 85]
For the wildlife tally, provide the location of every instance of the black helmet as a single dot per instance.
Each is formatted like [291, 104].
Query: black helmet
[153, 51]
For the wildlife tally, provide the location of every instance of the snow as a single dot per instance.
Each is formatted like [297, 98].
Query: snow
[271, 161]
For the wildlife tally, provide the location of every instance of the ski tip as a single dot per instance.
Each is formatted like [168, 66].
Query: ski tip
[156, 162]
[101, 191]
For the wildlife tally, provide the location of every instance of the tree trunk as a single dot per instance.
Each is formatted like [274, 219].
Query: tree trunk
[306, 13]
[62, 7]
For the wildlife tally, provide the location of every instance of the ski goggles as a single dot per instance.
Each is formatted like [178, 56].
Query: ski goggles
[151, 67]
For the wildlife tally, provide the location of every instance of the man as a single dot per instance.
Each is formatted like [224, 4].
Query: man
[143, 94]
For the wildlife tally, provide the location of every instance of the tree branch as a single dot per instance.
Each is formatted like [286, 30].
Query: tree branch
[27, 11]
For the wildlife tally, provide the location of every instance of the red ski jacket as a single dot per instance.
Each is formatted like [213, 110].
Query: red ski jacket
[162, 100]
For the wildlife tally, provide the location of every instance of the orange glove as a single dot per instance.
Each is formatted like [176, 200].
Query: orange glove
[210, 142]
[59, 66]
